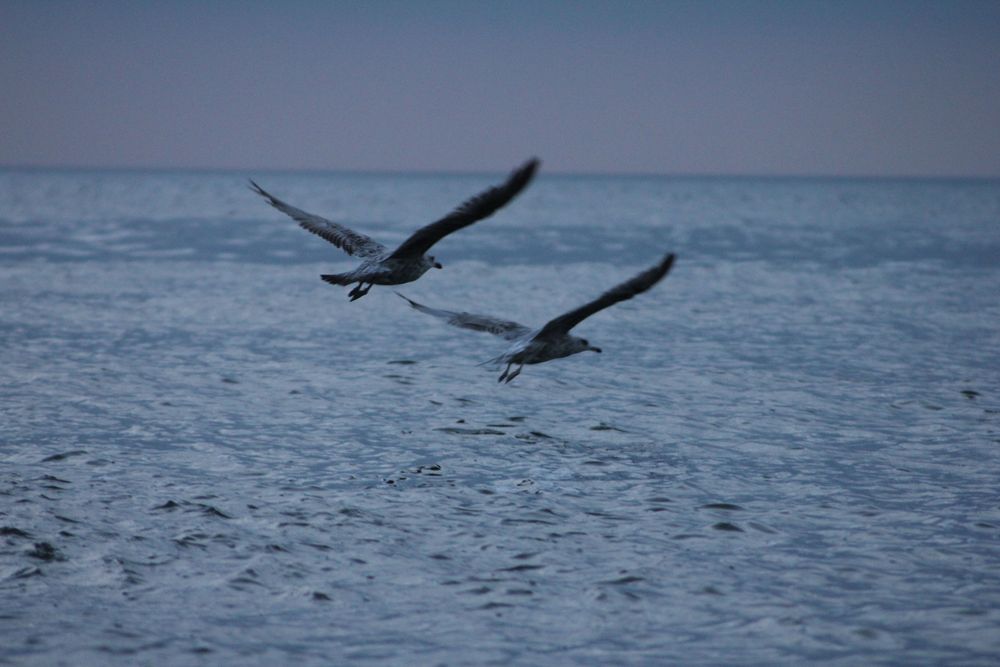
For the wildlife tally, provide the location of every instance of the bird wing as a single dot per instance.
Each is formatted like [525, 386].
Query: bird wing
[346, 239]
[472, 210]
[626, 290]
[503, 328]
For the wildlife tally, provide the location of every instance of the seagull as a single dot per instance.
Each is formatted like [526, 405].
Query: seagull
[552, 341]
[408, 262]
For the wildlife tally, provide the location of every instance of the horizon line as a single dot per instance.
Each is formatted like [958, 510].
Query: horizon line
[491, 172]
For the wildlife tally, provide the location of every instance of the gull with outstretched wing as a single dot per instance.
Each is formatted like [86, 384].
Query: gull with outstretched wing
[409, 261]
[552, 341]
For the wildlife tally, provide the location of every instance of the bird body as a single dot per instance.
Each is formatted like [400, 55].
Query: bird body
[552, 341]
[383, 270]
[409, 261]
[530, 349]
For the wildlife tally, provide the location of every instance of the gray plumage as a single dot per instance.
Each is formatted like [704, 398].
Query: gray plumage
[553, 340]
[503, 328]
[409, 261]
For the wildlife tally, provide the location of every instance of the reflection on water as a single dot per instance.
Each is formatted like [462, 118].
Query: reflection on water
[788, 451]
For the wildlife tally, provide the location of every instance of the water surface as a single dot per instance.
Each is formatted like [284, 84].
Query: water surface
[787, 453]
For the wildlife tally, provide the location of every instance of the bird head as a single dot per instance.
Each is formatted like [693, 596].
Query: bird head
[435, 264]
[582, 345]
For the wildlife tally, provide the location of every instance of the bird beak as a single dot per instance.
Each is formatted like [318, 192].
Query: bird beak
[437, 265]
[596, 349]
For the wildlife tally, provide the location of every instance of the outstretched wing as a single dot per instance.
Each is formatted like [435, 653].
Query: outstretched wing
[481, 206]
[502, 328]
[626, 290]
[346, 239]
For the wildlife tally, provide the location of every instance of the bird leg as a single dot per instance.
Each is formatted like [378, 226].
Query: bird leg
[358, 292]
[504, 374]
[515, 373]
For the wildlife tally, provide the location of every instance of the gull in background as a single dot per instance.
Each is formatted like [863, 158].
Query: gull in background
[552, 341]
[379, 265]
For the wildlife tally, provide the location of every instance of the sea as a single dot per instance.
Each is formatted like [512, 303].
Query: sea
[788, 451]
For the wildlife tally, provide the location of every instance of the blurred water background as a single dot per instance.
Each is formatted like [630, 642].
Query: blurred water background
[789, 451]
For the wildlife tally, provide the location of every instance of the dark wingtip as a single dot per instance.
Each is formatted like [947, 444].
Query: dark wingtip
[413, 304]
[531, 166]
[262, 192]
[662, 269]
[523, 174]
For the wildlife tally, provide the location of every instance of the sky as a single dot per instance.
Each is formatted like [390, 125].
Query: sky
[767, 87]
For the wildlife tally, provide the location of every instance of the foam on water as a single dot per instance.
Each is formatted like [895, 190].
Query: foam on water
[788, 451]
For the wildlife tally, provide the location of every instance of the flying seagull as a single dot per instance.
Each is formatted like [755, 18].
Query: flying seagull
[379, 265]
[552, 341]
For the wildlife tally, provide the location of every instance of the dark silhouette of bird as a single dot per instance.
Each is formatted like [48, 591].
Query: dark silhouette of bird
[552, 341]
[409, 261]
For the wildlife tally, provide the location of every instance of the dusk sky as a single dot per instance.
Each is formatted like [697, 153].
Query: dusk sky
[909, 88]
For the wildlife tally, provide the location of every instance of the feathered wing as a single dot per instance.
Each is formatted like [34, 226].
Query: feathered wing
[626, 290]
[503, 328]
[472, 210]
[346, 239]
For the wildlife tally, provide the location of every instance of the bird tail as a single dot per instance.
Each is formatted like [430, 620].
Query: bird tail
[338, 278]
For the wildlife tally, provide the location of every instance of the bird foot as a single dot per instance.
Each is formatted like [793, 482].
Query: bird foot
[357, 292]
[505, 372]
[512, 375]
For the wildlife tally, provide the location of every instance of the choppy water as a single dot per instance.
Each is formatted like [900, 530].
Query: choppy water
[789, 451]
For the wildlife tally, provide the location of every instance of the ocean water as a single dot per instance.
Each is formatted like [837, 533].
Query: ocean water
[788, 452]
